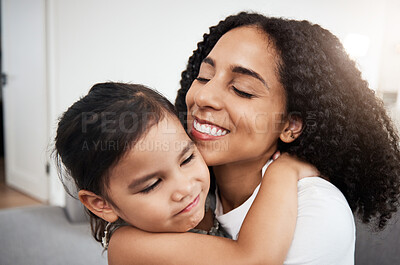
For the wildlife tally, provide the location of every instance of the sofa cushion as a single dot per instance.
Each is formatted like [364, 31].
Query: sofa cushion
[381, 248]
[42, 235]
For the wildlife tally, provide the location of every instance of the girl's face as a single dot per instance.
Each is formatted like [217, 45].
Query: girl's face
[236, 105]
[161, 184]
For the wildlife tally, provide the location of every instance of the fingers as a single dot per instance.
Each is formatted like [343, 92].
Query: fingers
[276, 155]
[303, 168]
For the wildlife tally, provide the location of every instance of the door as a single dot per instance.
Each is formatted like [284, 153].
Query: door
[25, 104]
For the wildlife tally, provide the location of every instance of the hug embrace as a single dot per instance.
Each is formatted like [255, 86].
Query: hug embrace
[274, 145]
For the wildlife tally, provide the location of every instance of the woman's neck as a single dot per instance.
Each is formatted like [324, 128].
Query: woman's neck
[236, 182]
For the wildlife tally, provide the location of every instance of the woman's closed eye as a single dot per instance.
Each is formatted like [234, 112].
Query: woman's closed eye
[202, 80]
[241, 93]
[237, 91]
[151, 187]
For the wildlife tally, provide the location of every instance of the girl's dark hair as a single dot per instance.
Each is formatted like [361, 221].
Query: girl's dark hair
[97, 130]
[347, 134]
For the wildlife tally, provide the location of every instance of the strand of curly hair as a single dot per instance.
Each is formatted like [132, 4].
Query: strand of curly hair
[347, 134]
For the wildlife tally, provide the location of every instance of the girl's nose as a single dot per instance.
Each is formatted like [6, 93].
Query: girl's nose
[183, 188]
[208, 96]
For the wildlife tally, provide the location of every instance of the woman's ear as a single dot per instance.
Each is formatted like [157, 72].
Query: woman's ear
[98, 205]
[292, 129]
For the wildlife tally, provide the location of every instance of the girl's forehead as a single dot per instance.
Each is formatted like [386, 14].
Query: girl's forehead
[161, 146]
[166, 132]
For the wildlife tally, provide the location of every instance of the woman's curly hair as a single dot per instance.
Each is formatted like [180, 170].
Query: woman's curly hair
[347, 134]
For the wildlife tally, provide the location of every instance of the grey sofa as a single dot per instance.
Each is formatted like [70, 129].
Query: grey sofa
[53, 235]
[383, 248]
[48, 235]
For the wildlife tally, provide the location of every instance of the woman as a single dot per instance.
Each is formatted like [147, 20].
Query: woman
[258, 84]
[338, 124]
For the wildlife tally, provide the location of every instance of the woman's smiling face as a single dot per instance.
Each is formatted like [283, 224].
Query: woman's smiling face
[237, 104]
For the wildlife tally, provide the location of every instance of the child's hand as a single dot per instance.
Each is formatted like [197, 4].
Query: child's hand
[300, 168]
[276, 155]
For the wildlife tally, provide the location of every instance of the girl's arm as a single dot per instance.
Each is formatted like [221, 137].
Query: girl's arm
[265, 236]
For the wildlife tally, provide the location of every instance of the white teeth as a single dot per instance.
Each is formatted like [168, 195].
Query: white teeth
[208, 129]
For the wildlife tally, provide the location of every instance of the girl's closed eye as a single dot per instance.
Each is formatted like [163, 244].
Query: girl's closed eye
[155, 184]
[187, 160]
[151, 187]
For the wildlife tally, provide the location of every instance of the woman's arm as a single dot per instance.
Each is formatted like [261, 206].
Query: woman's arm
[265, 236]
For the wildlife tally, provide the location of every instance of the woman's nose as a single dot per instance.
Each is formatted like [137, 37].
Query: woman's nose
[208, 96]
[183, 188]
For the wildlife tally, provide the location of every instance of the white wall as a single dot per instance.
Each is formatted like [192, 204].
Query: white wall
[390, 59]
[149, 42]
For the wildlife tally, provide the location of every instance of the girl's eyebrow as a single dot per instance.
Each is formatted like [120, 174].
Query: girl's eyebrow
[139, 181]
[189, 146]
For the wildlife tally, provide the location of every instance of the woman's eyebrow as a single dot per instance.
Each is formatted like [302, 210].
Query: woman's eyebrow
[239, 70]
[245, 71]
[209, 61]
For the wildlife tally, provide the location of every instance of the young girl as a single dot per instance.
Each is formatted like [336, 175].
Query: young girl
[135, 166]
[110, 146]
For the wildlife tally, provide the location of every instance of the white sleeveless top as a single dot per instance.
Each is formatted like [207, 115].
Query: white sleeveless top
[325, 229]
